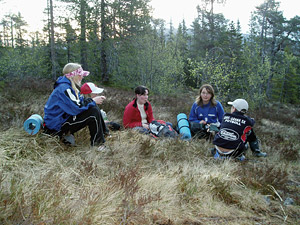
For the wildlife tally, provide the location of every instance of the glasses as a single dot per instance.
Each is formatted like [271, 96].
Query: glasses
[205, 93]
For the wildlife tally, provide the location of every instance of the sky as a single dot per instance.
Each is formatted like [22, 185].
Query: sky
[175, 10]
[234, 10]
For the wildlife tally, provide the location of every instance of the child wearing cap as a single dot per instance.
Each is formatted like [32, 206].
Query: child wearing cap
[235, 131]
[91, 91]
[66, 111]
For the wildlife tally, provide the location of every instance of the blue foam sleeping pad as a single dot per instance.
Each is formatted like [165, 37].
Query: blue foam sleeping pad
[33, 124]
[183, 126]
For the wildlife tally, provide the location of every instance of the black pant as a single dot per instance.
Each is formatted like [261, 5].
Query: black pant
[91, 118]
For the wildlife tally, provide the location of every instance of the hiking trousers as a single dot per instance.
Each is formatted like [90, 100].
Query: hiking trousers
[92, 118]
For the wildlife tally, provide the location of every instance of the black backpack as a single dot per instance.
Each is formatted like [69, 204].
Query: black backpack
[161, 129]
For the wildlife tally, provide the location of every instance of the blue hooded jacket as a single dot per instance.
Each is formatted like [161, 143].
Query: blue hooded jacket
[62, 104]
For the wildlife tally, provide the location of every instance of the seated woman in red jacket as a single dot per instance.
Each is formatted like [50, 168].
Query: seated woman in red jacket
[138, 113]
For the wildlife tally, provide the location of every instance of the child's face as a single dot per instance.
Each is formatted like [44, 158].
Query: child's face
[205, 95]
[142, 99]
[93, 95]
[232, 109]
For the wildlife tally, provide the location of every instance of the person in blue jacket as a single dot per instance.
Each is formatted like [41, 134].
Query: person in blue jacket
[235, 131]
[206, 113]
[66, 111]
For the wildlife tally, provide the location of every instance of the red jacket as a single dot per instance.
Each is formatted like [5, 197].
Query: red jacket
[132, 116]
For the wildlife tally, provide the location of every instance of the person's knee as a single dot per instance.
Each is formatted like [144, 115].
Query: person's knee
[94, 111]
[196, 127]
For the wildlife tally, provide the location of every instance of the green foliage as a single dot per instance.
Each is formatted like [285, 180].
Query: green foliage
[30, 62]
[286, 80]
[2, 85]
[143, 60]
[255, 74]
[216, 73]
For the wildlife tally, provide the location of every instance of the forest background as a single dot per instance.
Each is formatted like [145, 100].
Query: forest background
[122, 45]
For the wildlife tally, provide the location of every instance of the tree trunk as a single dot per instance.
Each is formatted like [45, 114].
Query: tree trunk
[83, 47]
[52, 42]
[104, 72]
[69, 50]
[12, 32]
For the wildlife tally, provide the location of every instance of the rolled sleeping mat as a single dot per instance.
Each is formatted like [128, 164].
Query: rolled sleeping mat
[183, 126]
[33, 124]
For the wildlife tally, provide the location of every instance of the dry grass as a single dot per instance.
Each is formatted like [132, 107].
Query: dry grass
[141, 180]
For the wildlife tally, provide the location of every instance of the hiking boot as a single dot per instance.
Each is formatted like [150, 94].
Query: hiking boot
[113, 126]
[254, 146]
[218, 156]
[69, 139]
[241, 158]
[102, 148]
[213, 151]
[260, 154]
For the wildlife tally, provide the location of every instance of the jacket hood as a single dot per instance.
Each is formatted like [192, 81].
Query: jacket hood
[61, 80]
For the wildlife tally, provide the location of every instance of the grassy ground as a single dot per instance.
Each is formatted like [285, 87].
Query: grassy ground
[139, 180]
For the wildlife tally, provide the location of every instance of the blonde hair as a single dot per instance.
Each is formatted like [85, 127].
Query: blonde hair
[68, 68]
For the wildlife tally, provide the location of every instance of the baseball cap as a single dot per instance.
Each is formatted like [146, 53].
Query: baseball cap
[240, 104]
[88, 88]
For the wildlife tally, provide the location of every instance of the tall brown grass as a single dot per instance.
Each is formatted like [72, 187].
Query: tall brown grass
[139, 179]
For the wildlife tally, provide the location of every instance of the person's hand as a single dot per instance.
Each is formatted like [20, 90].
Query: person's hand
[146, 126]
[99, 99]
[202, 122]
